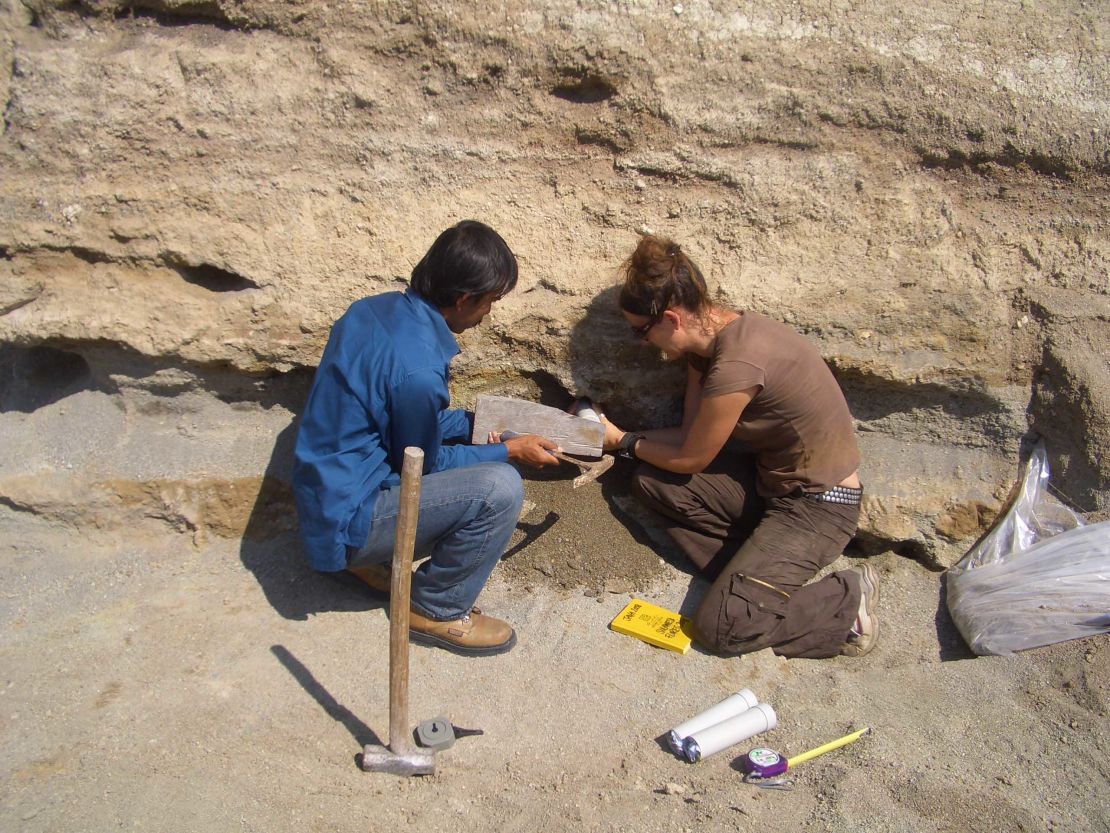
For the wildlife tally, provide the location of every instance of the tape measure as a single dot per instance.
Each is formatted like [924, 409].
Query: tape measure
[762, 763]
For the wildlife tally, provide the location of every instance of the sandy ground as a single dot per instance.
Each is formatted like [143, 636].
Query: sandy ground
[152, 685]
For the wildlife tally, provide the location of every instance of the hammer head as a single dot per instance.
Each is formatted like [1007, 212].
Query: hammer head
[407, 762]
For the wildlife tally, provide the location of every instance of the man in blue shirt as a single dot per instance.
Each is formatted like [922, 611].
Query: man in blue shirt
[382, 385]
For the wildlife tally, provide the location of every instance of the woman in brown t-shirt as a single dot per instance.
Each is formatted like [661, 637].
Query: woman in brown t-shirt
[760, 482]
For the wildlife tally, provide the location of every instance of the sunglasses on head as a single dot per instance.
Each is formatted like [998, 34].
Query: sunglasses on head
[642, 331]
[654, 317]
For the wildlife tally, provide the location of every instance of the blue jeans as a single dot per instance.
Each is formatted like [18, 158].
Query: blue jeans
[467, 516]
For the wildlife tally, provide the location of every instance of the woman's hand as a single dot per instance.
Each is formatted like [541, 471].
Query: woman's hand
[530, 449]
[613, 434]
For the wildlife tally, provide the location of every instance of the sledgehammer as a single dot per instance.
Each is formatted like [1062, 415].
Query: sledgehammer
[402, 756]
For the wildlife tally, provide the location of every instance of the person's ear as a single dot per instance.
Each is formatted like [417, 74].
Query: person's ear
[462, 301]
[674, 317]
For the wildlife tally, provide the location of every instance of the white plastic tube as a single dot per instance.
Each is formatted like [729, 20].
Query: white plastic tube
[702, 744]
[731, 706]
[585, 408]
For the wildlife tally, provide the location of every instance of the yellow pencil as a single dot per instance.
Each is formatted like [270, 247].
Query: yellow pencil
[762, 763]
[828, 747]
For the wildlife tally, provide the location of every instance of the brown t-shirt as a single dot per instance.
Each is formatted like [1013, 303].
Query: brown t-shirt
[798, 422]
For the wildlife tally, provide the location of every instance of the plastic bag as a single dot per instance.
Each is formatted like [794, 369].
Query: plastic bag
[1040, 576]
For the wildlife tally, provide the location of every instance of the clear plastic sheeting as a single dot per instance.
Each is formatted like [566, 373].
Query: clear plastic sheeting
[1040, 576]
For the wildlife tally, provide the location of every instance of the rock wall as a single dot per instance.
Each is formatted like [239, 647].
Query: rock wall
[194, 191]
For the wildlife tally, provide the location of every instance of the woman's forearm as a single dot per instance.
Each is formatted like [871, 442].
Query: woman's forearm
[667, 456]
[668, 436]
[689, 451]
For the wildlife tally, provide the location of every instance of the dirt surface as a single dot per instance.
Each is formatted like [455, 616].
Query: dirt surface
[151, 685]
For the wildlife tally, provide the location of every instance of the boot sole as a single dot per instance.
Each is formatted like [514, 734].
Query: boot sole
[462, 650]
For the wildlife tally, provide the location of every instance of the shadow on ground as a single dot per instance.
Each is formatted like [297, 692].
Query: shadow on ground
[951, 643]
[362, 733]
[271, 549]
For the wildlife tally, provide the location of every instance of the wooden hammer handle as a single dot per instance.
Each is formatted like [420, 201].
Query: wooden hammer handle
[400, 737]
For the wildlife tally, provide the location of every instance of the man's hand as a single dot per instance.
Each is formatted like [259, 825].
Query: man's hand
[530, 449]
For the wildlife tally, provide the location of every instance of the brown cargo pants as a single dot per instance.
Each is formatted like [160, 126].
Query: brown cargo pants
[744, 543]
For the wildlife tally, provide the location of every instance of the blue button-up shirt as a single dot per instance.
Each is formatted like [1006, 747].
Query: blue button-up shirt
[381, 386]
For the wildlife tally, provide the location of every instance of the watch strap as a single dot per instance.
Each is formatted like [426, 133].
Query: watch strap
[627, 447]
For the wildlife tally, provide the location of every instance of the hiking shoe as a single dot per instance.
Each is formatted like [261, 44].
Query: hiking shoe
[378, 576]
[865, 630]
[474, 635]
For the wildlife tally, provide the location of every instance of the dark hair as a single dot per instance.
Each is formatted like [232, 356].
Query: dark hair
[659, 275]
[467, 259]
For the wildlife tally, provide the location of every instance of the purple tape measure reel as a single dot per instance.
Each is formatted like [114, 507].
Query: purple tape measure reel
[763, 763]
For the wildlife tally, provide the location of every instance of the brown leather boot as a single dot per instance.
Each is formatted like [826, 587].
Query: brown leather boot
[474, 635]
[378, 576]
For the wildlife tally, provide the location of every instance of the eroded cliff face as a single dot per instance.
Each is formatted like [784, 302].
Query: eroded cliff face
[194, 191]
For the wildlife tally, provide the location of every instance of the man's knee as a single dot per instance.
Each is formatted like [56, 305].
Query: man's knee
[506, 488]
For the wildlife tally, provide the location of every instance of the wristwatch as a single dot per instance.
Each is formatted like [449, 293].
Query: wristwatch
[627, 447]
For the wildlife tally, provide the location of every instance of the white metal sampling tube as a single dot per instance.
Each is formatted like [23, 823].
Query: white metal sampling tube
[731, 706]
[759, 718]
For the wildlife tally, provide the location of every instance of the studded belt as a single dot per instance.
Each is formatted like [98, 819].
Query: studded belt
[845, 495]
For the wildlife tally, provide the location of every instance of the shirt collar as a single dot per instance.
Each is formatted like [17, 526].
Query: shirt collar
[444, 337]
